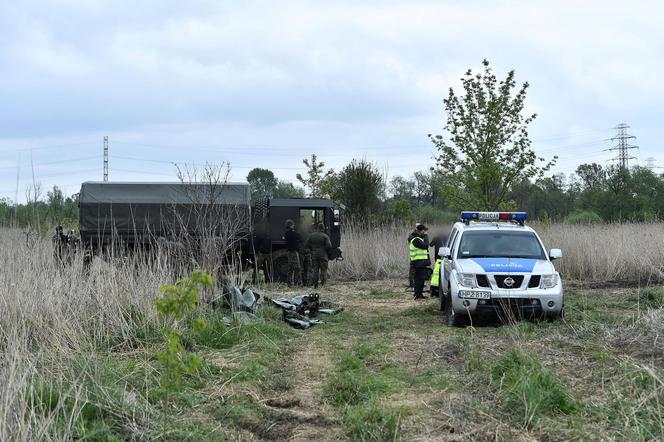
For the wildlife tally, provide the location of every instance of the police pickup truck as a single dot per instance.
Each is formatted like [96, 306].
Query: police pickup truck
[494, 263]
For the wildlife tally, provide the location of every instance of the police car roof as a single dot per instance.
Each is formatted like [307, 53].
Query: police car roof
[492, 225]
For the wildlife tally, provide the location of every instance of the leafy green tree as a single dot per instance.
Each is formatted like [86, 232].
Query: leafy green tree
[428, 186]
[648, 191]
[487, 149]
[360, 186]
[263, 183]
[288, 190]
[55, 199]
[592, 176]
[180, 300]
[316, 176]
[401, 188]
[401, 210]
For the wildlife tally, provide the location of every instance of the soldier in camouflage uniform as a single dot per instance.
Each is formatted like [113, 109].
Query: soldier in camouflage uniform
[318, 244]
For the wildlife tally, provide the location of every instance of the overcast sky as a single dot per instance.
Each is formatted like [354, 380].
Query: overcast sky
[266, 83]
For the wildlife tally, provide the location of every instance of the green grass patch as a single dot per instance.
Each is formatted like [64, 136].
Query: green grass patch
[108, 397]
[651, 297]
[529, 391]
[112, 395]
[424, 310]
[361, 380]
[375, 293]
[372, 421]
[636, 404]
[246, 413]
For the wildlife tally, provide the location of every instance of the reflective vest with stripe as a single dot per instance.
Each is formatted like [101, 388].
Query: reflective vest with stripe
[435, 278]
[417, 254]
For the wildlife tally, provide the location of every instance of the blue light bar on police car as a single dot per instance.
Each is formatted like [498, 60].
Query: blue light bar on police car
[494, 216]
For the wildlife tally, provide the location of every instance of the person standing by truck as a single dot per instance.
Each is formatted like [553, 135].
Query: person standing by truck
[419, 259]
[318, 244]
[262, 248]
[293, 244]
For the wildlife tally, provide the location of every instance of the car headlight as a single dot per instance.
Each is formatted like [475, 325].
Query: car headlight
[466, 279]
[549, 281]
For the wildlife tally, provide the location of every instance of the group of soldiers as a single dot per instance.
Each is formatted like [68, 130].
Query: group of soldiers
[420, 270]
[307, 257]
[307, 252]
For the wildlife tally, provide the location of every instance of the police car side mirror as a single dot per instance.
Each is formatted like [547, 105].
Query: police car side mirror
[445, 252]
[555, 254]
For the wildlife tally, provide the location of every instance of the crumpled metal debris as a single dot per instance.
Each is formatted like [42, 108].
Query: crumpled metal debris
[242, 304]
[300, 311]
[236, 299]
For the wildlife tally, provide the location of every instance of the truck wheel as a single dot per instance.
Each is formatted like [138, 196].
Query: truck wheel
[280, 266]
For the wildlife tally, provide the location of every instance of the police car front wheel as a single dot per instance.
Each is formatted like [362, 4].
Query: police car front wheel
[453, 319]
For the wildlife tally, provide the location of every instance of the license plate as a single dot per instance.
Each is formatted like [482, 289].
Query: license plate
[474, 294]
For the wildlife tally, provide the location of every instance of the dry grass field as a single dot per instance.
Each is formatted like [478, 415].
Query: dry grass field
[80, 354]
[629, 254]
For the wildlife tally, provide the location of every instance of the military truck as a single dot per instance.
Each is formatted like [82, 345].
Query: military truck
[140, 214]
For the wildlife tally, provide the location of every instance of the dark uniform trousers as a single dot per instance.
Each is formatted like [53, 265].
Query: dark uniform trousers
[305, 260]
[294, 268]
[419, 279]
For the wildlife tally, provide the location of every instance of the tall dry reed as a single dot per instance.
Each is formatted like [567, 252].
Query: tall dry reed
[49, 315]
[629, 253]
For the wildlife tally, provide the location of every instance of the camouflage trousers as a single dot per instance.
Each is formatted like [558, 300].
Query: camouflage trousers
[319, 271]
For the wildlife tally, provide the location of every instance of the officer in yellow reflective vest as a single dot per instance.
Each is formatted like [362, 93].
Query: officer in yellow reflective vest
[437, 243]
[435, 279]
[419, 259]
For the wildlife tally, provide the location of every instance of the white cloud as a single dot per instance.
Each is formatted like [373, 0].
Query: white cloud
[316, 74]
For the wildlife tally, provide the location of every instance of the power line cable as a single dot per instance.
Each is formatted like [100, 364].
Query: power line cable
[96, 157]
[54, 146]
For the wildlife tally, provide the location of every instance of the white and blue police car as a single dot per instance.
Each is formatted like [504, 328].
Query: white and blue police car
[493, 263]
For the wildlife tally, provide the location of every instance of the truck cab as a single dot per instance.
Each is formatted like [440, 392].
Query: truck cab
[306, 213]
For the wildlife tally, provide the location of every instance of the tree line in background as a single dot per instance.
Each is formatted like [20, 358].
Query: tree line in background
[592, 194]
[483, 161]
[41, 211]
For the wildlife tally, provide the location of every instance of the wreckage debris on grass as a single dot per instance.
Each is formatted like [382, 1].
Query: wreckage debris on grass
[299, 311]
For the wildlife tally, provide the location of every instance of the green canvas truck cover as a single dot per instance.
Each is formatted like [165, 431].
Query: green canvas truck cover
[135, 209]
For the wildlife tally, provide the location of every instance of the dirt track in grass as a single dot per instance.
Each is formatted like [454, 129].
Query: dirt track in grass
[420, 380]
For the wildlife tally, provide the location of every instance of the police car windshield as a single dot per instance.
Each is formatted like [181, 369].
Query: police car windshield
[500, 244]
